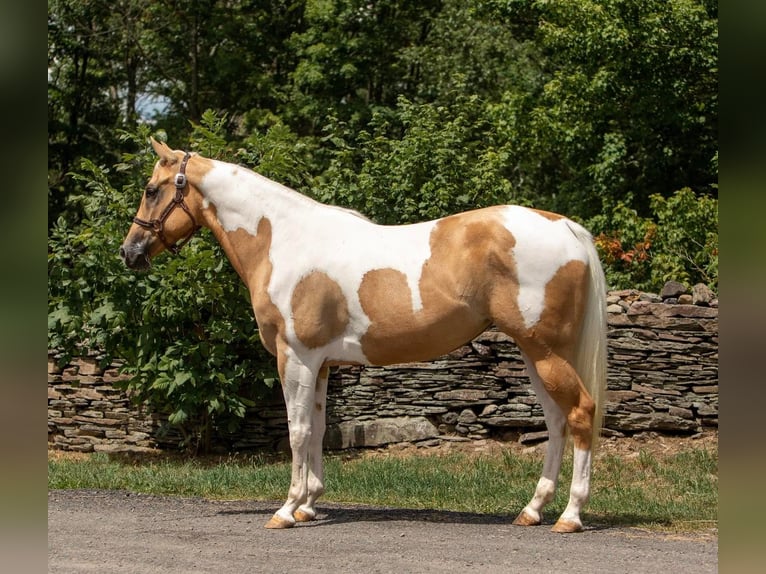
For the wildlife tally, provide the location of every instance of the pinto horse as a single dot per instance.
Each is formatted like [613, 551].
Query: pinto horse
[329, 287]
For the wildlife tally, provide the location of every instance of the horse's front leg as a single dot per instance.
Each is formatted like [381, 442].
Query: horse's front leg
[307, 511]
[299, 386]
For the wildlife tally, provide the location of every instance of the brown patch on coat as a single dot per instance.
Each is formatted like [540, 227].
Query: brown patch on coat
[548, 214]
[467, 252]
[469, 281]
[319, 308]
[551, 346]
[249, 254]
[558, 328]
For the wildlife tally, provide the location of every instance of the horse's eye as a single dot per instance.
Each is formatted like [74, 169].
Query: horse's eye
[151, 191]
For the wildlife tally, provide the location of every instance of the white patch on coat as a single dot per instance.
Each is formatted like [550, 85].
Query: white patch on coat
[542, 248]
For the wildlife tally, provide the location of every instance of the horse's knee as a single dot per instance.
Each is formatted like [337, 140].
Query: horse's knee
[300, 436]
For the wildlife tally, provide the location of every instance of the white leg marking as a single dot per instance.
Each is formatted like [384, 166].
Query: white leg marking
[315, 464]
[556, 423]
[580, 489]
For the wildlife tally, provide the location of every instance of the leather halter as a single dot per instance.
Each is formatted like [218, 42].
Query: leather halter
[156, 225]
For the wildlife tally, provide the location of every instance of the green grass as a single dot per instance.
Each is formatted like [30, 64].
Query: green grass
[679, 492]
[675, 492]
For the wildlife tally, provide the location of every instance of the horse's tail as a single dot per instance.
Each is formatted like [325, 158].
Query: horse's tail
[591, 353]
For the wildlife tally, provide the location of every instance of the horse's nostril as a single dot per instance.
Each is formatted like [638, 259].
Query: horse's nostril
[122, 252]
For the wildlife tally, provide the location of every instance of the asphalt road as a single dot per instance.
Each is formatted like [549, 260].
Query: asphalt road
[120, 532]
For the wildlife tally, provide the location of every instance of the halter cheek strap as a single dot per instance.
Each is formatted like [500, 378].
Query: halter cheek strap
[157, 225]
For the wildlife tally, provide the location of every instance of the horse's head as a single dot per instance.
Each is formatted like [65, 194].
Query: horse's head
[166, 217]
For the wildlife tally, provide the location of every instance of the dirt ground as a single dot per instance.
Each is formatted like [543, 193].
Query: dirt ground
[626, 447]
[121, 532]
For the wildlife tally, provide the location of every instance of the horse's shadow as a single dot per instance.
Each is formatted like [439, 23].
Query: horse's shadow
[336, 515]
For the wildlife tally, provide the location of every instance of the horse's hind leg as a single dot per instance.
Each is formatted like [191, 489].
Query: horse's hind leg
[307, 511]
[555, 420]
[565, 401]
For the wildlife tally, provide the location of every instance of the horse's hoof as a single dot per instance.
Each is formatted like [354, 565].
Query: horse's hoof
[525, 519]
[279, 523]
[302, 516]
[566, 526]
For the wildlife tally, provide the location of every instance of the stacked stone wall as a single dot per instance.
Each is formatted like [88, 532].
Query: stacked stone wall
[663, 376]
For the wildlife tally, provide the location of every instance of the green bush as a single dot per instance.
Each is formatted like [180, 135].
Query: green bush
[418, 162]
[679, 241]
[184, 329]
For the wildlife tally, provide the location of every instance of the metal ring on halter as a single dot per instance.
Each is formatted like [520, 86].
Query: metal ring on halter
[156, 225]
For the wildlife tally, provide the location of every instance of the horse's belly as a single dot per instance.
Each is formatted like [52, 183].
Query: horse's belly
[409, 340]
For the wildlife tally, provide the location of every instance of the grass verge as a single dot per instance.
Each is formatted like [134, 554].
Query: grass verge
[676, 492]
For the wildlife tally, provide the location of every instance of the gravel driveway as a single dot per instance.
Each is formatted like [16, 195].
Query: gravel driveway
[113, 531]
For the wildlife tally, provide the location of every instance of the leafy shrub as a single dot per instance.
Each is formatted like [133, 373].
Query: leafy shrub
[418, 162]
[679, 241]
[185, 329]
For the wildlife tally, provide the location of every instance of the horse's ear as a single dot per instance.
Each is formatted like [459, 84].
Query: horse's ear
[166, 154]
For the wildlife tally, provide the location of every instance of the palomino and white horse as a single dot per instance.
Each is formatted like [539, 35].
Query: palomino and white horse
[329, 287]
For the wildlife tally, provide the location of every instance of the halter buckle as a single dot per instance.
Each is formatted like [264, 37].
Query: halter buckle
[180, 180]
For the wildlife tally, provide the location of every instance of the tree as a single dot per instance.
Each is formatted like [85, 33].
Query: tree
[348, 58]
[226, 56]
[630, 104]
[82, 91]
[468, 49]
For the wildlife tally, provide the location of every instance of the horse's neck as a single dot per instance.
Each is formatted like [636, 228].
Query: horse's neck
[248, 209]
[242, 197]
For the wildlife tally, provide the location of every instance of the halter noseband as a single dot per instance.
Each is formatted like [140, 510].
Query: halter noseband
[156, 225]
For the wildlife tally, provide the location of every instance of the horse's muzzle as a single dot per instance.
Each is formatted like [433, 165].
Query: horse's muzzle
[134, 256]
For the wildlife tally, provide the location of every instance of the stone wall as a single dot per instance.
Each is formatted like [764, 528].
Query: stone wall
[87, 412]
[663, 376]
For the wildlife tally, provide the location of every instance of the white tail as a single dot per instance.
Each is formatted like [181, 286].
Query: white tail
[591, 353]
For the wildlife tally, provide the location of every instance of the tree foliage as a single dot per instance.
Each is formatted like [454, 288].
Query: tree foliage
[603, 110]
[614, 64]
[184, 330]
[678, 241]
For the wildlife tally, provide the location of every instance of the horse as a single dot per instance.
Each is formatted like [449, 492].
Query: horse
[329, 287]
